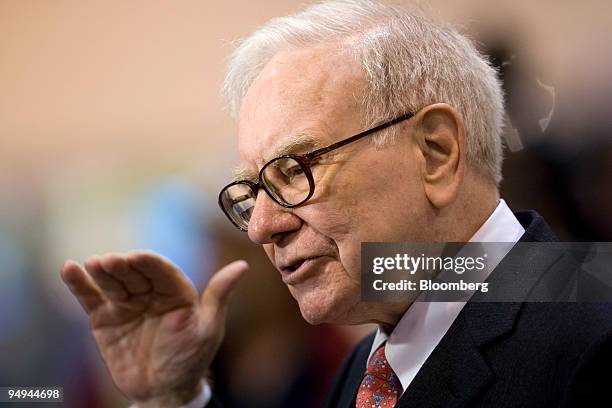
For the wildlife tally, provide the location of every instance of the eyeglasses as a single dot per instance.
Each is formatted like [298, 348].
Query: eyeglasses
[287, 179]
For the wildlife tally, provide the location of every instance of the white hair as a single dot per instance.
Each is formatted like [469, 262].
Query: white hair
[409, 61]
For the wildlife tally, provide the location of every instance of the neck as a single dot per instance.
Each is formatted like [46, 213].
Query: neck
[458, 223]
[473, 206]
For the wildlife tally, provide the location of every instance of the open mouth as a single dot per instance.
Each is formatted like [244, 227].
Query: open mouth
[294, 267]
[301, 270]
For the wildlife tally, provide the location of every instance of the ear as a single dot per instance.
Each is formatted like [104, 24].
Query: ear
[440, 136]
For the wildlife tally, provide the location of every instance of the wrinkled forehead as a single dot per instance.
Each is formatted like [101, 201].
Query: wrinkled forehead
[302, 99]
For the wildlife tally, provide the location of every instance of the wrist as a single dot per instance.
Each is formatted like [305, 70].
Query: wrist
[175, 399]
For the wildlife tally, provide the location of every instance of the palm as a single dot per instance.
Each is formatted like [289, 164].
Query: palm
[146, 342]
[149, 325]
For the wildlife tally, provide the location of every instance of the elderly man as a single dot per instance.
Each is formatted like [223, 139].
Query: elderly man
[357, 122]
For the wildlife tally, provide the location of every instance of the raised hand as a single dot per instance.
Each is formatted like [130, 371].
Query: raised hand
[155, 335]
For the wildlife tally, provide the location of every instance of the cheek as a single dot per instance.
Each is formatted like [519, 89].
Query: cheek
[341, 225]
[347, 215]
[327, 297]
[327, 217]
[350, 254]
[357, 205]
[385, 199]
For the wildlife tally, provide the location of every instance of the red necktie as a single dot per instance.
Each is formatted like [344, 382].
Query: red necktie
[380, 386]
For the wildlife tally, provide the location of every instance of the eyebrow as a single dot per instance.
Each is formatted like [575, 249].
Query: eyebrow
[302, 143]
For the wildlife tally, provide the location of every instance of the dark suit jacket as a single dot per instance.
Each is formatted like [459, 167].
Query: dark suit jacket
[517, 354]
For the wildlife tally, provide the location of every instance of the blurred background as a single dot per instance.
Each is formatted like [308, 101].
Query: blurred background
[113, 136]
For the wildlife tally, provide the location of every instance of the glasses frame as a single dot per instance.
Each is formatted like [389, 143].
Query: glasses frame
[304, 160]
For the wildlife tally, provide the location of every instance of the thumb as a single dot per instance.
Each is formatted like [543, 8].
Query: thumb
[218, 292]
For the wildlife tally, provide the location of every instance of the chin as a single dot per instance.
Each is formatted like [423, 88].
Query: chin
[321, 306]
[316, 316]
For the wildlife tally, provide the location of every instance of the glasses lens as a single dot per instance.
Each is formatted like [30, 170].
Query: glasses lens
[237, 202]
[286, 179]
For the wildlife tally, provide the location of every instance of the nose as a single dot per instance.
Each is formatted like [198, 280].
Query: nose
[270, 222]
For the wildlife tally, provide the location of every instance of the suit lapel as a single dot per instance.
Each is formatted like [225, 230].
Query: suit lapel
[453, 374]
[354, 374]
[457, 371]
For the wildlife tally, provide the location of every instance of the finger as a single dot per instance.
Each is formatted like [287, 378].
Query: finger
[111, 287]
[82, 286]
[166, 277]
[117, 266]
[222, 285]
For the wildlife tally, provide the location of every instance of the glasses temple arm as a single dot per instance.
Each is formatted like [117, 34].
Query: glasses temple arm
[361, 135]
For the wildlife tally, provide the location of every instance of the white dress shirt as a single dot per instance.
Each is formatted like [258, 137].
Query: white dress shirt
[200, 401]
[424, 324]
